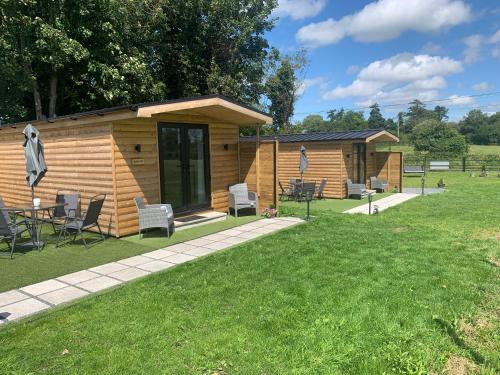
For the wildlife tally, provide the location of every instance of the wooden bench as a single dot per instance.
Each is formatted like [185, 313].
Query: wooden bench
[413, 169]
[439, 166]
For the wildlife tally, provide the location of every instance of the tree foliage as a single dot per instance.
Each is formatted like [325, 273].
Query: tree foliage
[59, 57]
[376, 120]
[479, 128]
[437, 138]
[282, 88]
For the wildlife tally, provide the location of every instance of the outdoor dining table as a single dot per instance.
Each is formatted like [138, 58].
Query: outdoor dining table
[36, 221]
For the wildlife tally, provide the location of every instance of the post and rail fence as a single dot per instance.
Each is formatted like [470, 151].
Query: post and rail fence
[469, 163]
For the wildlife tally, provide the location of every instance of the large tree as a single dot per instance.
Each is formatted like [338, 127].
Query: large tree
[59, 57]
[347, 120]
[283, 86]
[76, 55]
[376, 120]
[437, 138]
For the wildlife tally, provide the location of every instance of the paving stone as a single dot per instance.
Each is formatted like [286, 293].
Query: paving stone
[108, 268]
[159, 254]
[180, 248]
[22, 308]
[11, 296]
[199, 242]
[217, 245]
[256, 224]
[43, 287]
[264, 230]
[99, 283]
[199, 251]
[78, 277]
[135, 261]
[215, 237]
[249, 235]
[129, 274]
[63, 295]
[156, 265]
[234, 240]
[232, 232]
[179, 258]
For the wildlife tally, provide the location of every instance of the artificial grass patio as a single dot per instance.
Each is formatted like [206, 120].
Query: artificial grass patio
[412, 290]
[34, 266]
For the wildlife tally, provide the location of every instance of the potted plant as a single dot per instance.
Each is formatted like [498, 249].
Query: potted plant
[271, 211]
[441, 183]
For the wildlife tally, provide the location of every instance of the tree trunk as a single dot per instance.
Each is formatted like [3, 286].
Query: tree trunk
[37, 98]
[36, 90]
[53, 95]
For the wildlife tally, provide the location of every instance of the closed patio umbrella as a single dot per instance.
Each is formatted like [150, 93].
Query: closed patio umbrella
[303, 163]
[35, 170]
[33, 153]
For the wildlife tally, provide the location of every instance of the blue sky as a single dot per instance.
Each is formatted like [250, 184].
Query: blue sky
[392, 51]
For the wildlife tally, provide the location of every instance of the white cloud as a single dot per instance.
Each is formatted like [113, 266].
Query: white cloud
[483, 87]
[407, 67]
[495, 38]
[459, 100]
[386, 19]
[299, 9]
[353, 69]
[475, 43]
[431, 48]
[308, 83]
[400, 78]
[472, 51]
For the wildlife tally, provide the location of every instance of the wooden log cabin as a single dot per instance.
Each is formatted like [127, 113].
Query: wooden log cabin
[185, 152]
[338, 156]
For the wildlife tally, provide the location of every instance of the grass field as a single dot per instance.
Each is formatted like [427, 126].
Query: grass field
[412, 290]
[473, 150]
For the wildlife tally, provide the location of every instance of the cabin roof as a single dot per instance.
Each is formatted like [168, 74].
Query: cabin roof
[216, 106]
[351, 135]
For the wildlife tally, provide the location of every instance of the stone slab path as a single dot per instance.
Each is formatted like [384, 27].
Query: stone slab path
[384, 203]
[31, 299]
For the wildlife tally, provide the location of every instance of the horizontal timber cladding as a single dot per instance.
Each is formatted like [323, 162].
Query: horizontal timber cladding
[78, 158]
[223, 162]
[136, 173]
[267, 171]
[389, 166]
[325, 160]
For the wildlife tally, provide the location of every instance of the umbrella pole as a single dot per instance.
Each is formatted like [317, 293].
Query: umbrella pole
[34, 229]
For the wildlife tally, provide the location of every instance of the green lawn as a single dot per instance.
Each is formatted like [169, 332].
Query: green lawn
[33, 266]
[412, 290]
[473, 150]
[335, 205]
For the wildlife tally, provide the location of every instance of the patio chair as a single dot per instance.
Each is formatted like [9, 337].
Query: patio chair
[90, 219]
[308, 190]
[321, 188]
[240, 197]
[154, 216]
[378, 185]
[19, 216]
[358, 190]
[10, 230]
[71, 208]
[284, 192]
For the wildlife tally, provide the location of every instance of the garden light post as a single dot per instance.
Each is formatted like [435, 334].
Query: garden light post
[423, 185]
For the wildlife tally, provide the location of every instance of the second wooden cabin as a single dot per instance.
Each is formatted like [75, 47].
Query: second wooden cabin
[337, 156]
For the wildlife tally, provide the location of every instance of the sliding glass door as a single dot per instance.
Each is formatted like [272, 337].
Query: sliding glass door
[184, 166]
[359, 163]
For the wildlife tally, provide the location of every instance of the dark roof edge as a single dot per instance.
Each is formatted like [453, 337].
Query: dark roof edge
[280, 137]
[135, 107]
